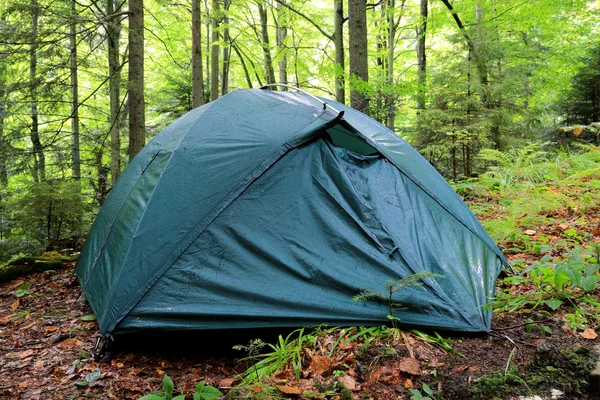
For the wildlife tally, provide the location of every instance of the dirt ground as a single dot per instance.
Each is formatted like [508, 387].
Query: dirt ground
[47, 337]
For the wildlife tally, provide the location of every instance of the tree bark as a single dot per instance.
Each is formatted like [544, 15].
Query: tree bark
[75, 157]
[226, 49]
[282, 23]
[338, 34]
[359, 72]
[113, 33]
[39, 159]
[3, 142]
[421, 56]
[137, 117]
[266, 50]
[214, 53]
[197, 76]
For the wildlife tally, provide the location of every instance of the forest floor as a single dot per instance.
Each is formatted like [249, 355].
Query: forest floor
[543, 336]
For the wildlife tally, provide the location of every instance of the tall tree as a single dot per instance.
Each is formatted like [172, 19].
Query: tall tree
[39, 158]
[266, 48]
[226, 48]
[359, 66]
[113, 37]
[75, 157]
[214, 52]
[197, 76]
[421, 55]
[282, 26]
[137, 117]
[338, 36]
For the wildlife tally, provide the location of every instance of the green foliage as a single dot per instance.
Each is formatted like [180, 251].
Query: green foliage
[22, 290]
[286, 350]
[516, 164]
[166, 393]
[417, 395]
[391, 288]
[438, 340]
[554, 282]
[206, 392]
[44, 212]
[89, 379]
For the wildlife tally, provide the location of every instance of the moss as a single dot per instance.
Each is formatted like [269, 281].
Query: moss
[566, 369]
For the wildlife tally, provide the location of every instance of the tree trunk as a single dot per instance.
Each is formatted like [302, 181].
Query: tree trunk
[359, 72]
[338, 34]
[421, 56]
[113, 33]
[282, 23]
[197, 78]
[214, 53]
[75, 158]
[3, 143]
[137, 118]
[39, 159]
[226, 49]
[243, 62]
[267, 60]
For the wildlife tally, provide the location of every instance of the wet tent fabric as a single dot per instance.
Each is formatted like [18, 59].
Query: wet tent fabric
[243, 213]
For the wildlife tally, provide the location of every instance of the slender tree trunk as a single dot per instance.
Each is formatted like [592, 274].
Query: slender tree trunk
[75, 158]
[3, 143]
[214, 53]
[226, 48]
[421, 56]
[480, 58]
[39, 159]
[282, 23]
[208, 25]
[267, 60]
[359, 72]
[243, 62]
[113, 33]
[137, 117]
[338, 35]
[391, 99]
[197, 78]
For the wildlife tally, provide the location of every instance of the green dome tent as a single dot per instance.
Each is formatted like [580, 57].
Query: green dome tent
[274, 209]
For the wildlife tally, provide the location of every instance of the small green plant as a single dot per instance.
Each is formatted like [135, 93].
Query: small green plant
[22, 290]
[288, 349]
[89, 379]
[206, 392]
[252, 350]
[392, 287]
[417, 395]
[166, 393]
[437, 340]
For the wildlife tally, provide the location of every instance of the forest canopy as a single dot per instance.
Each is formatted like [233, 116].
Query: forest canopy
[85, 83]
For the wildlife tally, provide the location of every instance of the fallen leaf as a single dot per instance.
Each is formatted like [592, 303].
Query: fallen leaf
[51, 328]
[70, 344]
[15, 305]
[348, 382]
[408, 384]
[20, 354]
[321, 365]
[530, 232]
[4, 320]
[256, 389]
[227, 382]
[410, 365]
[288, 389]
[589, 333]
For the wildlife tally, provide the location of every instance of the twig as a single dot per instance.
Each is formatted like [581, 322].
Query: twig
[520, 325]
[407, 344]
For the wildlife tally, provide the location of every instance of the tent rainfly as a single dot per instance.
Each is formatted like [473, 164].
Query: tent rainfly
[271, 209]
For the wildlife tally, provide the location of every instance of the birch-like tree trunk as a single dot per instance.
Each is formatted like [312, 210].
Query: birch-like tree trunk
[282, 24]
[266, 49]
